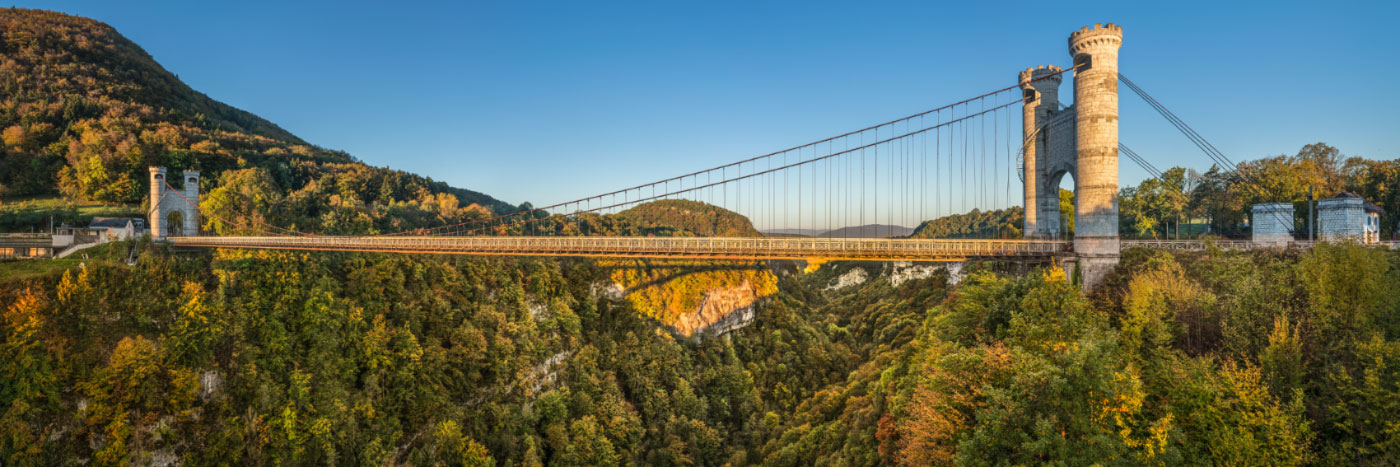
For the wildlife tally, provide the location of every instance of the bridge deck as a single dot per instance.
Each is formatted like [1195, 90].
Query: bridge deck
[661, 247]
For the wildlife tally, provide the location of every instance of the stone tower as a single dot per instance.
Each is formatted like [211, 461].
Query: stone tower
[1095, 52]
[155, 217]
[191, 211]
[1040, 88]
[164, 201]
[1081, 140]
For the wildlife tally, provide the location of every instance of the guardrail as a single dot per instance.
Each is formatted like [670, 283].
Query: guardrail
[660, 247]
[26, 241]
[1200, 245]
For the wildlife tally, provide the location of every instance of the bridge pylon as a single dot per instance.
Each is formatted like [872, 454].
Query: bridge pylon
[1095, 52]
[1043, 164]
[165, 201]
[1081, 140]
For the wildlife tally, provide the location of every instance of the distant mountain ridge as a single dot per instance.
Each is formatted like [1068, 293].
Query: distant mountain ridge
[802, 232]
[870, 231]
[861, 231]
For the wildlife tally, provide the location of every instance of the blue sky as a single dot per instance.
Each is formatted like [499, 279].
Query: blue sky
[544, 102]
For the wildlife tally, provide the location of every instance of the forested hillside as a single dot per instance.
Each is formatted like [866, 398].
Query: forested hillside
[268, 357]
[85, 111]
[999, 223]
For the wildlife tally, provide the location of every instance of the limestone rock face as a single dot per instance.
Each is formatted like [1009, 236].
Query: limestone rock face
[902, 272]
[720, 312]
[608, 290]
[209, 383]
[854, 277]
[546, 374]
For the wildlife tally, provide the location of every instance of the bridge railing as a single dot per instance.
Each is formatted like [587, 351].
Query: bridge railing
[1199, 245]
[694, 247]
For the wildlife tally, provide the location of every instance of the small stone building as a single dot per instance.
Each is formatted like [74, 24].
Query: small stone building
[119, 228]
[1348, 216]
[1272, 223]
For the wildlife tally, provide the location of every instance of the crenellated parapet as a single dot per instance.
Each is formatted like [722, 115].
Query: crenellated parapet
[1099, 36]
[1042, 83]
[1039, 73]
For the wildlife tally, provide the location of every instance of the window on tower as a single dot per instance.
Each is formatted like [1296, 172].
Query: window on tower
[1083, 62]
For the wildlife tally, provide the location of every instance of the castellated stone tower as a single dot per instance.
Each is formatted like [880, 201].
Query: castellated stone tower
[164, 201]
[1040, 88]
[1095, 52]
[1079, 140]
[155, 217]
[191, 210]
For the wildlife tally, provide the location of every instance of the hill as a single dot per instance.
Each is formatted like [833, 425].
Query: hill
[999, 223]
[677, 217]
[86, 111]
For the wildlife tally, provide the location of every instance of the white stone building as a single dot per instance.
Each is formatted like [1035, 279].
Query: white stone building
[1348, 216]
[1272, 223]
[119, 228]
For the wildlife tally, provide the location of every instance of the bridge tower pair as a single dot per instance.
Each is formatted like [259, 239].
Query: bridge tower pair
[1081, 140]
[166, 202]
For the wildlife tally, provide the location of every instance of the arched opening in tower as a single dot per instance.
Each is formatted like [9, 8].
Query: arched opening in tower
[1063, 183]
[175, 224]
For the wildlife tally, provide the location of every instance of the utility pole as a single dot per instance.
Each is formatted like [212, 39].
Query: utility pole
[1310, 213]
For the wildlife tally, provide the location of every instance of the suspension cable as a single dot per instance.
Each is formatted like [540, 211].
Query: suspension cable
[732, 164]
[780, 168]
[1205, 146]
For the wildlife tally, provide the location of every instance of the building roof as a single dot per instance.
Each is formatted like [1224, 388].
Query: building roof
[111, 222]
[1370, 207]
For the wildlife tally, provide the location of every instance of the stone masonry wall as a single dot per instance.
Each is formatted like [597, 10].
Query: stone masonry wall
[1341, 219]
[1041, 86]
[1095, 52]
[1272, 223]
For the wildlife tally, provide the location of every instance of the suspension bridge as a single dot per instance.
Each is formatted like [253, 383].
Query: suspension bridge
[964, 157]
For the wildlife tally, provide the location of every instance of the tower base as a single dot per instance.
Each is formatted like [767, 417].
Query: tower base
[1096, 257]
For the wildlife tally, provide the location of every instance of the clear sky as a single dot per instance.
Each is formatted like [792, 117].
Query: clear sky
[544, 102]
